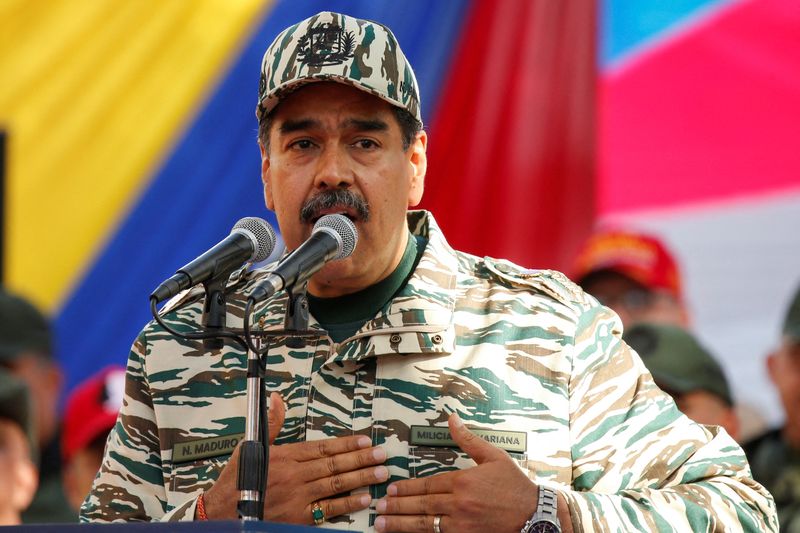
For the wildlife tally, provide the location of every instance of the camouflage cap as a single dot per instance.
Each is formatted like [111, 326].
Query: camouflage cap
[23, 328]
[335, 47]
[677, 361]
[15, 405]
[791, 324]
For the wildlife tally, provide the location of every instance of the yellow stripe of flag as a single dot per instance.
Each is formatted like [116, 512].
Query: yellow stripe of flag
[93, 95]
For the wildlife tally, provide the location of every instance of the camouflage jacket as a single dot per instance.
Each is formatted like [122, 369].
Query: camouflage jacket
[523, 355]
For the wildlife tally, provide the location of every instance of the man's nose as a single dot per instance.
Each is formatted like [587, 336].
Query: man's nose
[333, 170]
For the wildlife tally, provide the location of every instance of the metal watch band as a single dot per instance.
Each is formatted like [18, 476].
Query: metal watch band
[548, 504]
[546, 510]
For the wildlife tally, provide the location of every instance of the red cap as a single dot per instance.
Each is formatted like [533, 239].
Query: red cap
[642, 258]
[92, 410]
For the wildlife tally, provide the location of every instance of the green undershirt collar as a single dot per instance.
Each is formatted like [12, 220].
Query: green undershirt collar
[343, 316]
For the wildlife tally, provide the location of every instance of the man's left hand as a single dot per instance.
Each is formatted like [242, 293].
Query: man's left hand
[496, 495]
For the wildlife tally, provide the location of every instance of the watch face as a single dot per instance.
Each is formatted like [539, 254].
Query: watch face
[544, 527]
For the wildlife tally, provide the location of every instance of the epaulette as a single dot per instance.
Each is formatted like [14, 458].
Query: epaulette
[551, 282]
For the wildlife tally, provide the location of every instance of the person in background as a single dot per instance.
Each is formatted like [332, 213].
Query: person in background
[633, 274]
[26, 351]
[18, 475]
[775, 456]
[688, 372]
[90, 414]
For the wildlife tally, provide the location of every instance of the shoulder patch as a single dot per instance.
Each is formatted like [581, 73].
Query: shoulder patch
[551, 282]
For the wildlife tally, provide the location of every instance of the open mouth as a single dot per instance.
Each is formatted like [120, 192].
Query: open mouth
[349, 214]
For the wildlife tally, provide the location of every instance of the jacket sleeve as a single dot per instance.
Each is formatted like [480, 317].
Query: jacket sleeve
[639, 464]
[130, 485]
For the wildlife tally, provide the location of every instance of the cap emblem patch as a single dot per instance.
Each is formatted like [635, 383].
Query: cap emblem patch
[325, 44]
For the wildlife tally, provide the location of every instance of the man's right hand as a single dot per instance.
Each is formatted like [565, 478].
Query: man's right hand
[303, 473]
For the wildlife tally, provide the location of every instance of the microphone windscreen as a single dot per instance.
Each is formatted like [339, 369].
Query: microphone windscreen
[344, 228]
[260, 233]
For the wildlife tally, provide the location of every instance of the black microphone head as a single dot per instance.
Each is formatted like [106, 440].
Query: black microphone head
[260, 233]
[343, 229]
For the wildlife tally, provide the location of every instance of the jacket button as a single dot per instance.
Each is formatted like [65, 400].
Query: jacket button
[395, 338]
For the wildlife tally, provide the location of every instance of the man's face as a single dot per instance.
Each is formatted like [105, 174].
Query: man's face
[783, 366]
[633, 302]
[327, 137]
[43, 378]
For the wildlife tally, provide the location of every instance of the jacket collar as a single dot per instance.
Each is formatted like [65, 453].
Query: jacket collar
[418, 320]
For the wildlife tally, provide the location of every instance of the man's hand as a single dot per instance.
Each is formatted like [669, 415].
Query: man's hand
[496, 495]
[303, 473]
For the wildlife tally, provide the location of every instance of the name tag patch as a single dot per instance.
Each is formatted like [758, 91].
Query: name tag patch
[183, 452]
[510, 441]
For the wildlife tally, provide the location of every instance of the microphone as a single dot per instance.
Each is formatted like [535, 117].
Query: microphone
[333, 237]
[251, 239]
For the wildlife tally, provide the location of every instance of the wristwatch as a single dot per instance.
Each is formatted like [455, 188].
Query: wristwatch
[545, 519]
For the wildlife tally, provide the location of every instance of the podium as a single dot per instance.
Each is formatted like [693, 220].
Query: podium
[222, 526]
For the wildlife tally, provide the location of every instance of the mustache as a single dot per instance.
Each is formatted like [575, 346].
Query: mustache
[328, 199]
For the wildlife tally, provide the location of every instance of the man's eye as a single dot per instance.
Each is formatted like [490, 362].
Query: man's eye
[366, 144]
[302, 144]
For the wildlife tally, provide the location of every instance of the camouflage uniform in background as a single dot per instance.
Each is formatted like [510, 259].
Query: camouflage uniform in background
[524, 354]
[775, 456]
[777, 466]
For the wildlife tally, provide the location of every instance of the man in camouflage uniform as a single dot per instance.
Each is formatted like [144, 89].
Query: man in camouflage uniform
[775, 455]
[418, 343]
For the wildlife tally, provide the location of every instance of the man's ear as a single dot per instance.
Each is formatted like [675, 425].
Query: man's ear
[418, 166]
[21, 468]
[26, 478]
[730, 421]
[266, 177]
[772, 365]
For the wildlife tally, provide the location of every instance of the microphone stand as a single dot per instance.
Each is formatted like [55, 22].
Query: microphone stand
[214, 311]
[296, 316]
[254, 455]
[254, 458]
